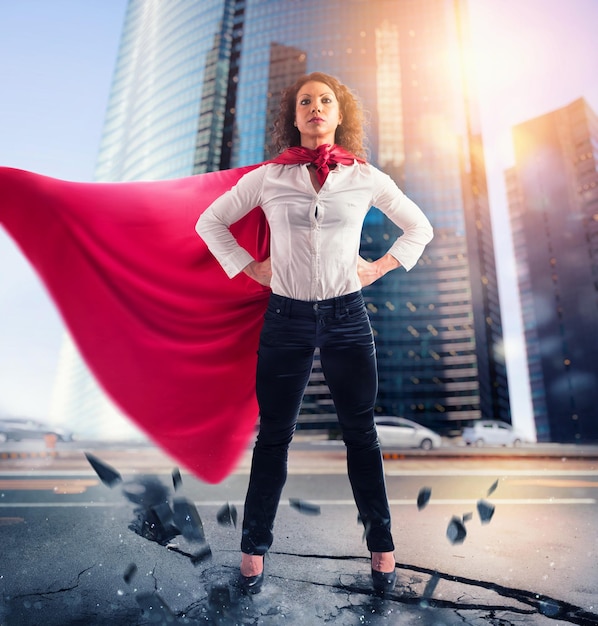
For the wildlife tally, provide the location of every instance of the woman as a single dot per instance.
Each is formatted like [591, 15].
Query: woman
[315, 196]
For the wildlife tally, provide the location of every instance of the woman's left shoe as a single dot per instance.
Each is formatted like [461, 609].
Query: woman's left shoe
[384, 582]
[251, 584]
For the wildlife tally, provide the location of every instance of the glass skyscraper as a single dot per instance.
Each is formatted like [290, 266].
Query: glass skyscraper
[553, 200]
[196, 87]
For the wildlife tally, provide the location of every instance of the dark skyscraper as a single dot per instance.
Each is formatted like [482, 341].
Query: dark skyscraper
[196, 88]
[553, 198]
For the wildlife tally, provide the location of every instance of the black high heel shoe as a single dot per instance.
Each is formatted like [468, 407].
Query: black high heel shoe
[251, 584]
[384, 582]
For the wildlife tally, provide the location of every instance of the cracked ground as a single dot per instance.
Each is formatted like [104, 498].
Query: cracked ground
[80, 573]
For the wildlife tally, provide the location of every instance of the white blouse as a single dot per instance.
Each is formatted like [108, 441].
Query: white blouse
[315, 236]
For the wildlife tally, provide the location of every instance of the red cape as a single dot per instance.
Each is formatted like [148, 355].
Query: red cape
[170, 338]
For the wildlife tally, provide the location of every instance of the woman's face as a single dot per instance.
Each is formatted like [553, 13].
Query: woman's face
[317, 114]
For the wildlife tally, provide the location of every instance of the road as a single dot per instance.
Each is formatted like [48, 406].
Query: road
[65, 534]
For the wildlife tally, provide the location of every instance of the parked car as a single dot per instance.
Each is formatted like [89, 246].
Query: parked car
[399, 432]
[491, 433]
[15, 429]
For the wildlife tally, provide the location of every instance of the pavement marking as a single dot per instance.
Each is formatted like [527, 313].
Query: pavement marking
[514, 501]
[73, 485]
[5, 455]
[11, 521]
[321, 471]
[551, 482]
[452, 501]
[401, 502]
[496, 472]
[63, 505]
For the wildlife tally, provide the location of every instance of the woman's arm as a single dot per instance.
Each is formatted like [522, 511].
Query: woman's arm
[213, 225]
[260, 271]
[370, 272]
[402, 211]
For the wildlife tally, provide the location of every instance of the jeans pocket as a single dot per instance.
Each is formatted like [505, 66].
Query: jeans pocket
[355, 313]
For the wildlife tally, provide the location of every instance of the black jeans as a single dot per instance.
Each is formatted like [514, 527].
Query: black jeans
[292, 330]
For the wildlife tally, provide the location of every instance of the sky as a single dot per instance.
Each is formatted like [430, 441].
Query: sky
[531, 57]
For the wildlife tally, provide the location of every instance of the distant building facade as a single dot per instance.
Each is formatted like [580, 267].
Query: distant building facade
[553, 200]
[196, 87]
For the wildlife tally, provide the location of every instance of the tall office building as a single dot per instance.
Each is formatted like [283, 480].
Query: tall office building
[196, 87]
[553, 199]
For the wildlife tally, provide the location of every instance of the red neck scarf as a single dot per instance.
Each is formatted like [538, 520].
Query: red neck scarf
[323, 157]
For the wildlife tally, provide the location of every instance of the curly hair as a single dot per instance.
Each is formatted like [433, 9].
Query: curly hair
[350, 134]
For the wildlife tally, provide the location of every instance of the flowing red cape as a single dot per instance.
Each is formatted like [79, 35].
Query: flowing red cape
[170, 338]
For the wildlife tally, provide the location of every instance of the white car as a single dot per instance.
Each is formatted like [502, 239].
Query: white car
[398, 432]
[492, 433]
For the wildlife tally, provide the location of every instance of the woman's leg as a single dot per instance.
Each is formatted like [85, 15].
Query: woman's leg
[349, 365]
[283, 370]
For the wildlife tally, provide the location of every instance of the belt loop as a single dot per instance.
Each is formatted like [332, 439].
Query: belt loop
[283, 305]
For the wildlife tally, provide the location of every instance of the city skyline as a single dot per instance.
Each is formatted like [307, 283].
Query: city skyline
[495, 122]
[439, 338]
[553, 204]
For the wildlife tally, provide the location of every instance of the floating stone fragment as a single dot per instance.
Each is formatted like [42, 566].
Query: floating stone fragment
[203, 554]
[219, 597]
[130, 572]
[146, 491]
[187, 520]
[456, 531]
[164, 513]
[227, 515]
[492, 488]
[423, 497]
[485, 511]
[304, 507]
[430, 586]
[367, 526]
[148, 525]
[176, 478]
[550, 608]
[467, 517]
[107, 474]
[153, 515]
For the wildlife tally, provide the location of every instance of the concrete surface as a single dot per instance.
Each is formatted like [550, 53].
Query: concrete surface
[87, 567]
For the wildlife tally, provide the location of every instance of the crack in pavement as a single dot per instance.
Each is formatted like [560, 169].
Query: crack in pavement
[160, 521]
[42, 594]
[542, 604]
[152, 573]
[545, 605]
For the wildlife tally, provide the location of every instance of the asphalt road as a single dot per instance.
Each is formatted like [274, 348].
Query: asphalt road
[77, 551]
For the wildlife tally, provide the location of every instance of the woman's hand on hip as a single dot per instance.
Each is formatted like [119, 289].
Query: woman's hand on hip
[260, 271]
[370, 272]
